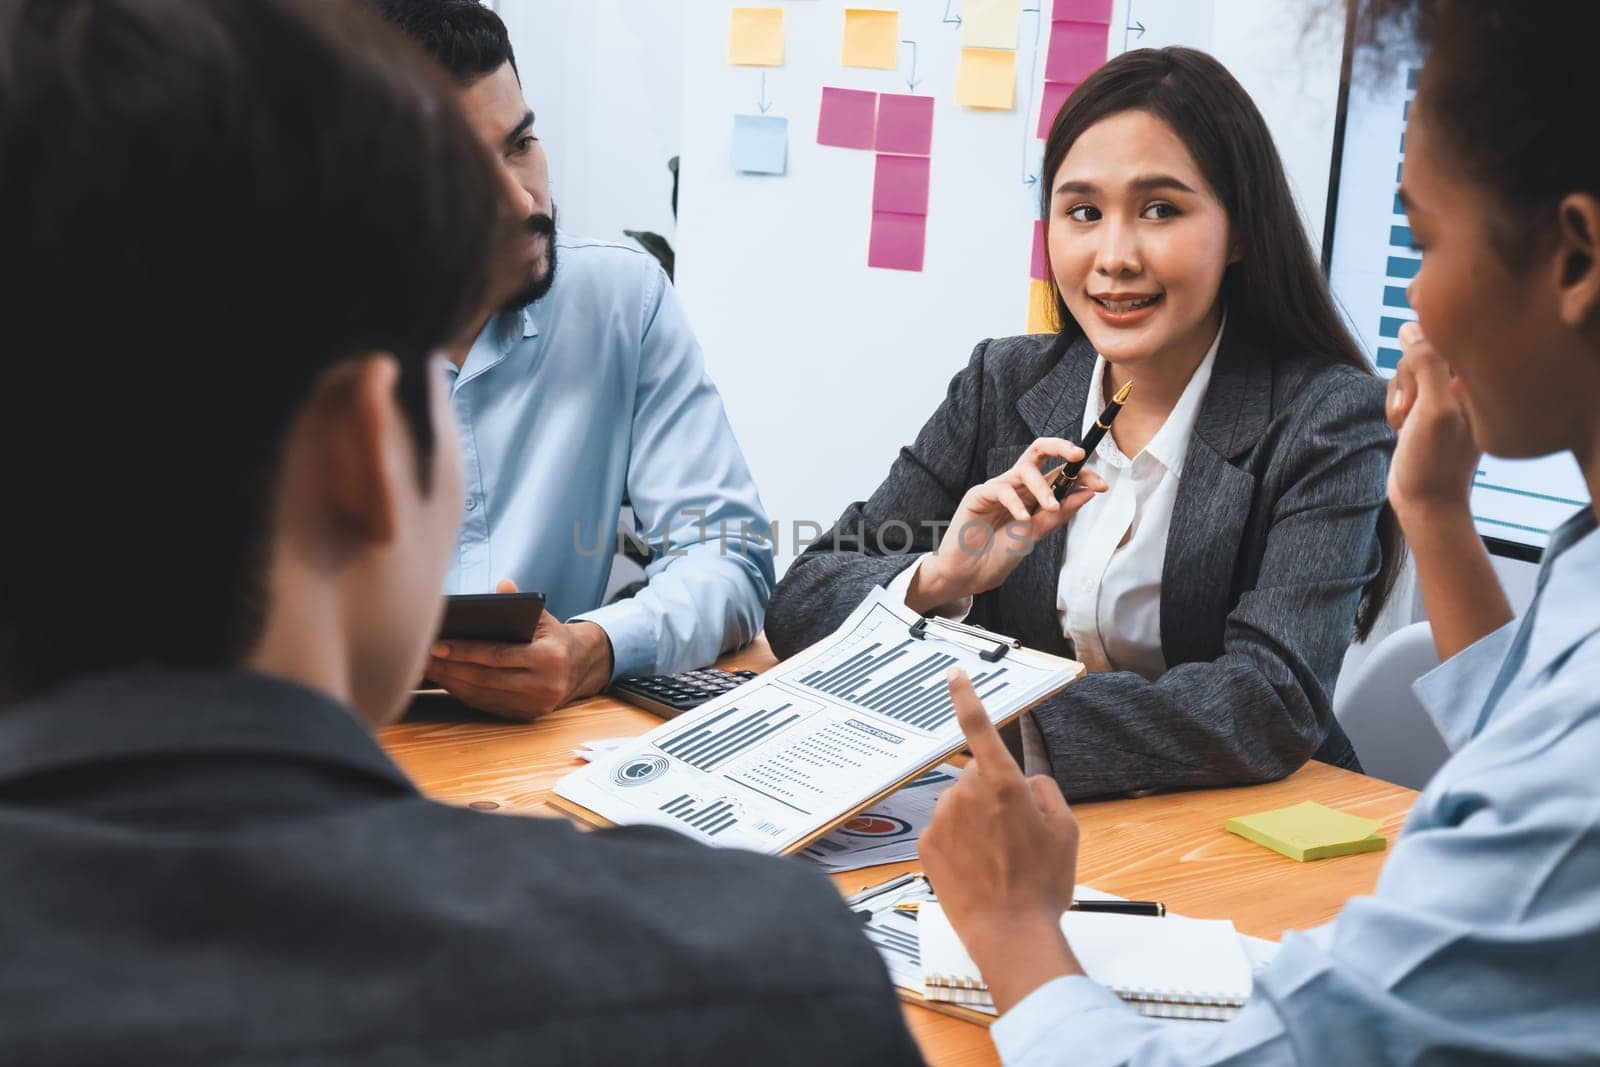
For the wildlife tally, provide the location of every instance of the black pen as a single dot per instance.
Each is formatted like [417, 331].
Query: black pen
[1154, 909]
[1066, 475]
[1151, 908]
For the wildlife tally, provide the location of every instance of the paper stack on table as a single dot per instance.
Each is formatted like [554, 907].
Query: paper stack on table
[888, 831]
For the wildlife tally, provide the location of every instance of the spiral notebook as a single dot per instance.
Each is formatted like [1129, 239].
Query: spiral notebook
[1174, 968]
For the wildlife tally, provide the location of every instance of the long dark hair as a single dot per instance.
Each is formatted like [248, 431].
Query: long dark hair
[1276, 291]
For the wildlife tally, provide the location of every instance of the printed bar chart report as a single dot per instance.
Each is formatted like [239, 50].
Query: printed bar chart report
[708, 744]
[905, 682]
[792, 754]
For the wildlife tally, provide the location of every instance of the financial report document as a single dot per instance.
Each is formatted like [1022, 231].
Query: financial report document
[775, 763]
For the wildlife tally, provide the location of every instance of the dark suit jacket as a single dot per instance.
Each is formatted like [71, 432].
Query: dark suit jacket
[226, 869]
[1272, 539]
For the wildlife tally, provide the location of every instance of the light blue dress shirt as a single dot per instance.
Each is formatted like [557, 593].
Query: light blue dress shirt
[1482, 942]
[596, 388]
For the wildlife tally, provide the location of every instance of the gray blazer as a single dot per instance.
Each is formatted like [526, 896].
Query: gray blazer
[1273, 538]
[218, 867]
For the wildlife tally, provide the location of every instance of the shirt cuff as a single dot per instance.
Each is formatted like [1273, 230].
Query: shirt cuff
[900, 588]
[631, 630]
[1453, 692]
[1072, 1006]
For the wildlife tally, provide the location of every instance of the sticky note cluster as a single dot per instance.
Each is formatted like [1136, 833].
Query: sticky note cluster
[755, 37]
[1309, 831]
[986, 74]
[1078, 34]
[899, 128]
[871, 38]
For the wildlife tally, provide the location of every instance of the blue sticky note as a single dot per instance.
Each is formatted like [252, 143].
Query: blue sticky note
[760, 144]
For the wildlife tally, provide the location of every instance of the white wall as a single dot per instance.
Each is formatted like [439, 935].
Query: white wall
[603, 78]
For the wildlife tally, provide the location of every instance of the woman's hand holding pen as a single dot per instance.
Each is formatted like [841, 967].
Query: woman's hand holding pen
[1001, 852]
[1435, 457]
[997, 524]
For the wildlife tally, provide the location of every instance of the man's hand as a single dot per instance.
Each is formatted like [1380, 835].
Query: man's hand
[1435, 456]
[1002, 855]
[564, 662]
[993, 530]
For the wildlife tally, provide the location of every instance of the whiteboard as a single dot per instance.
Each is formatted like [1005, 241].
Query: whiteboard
[1515, 503]
[827, 366]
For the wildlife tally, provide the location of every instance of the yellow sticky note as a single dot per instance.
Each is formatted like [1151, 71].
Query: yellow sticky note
[987, 77]
[1309, 831]
[1042, 307]
[755, 37]
[871, 38]
[990, 23]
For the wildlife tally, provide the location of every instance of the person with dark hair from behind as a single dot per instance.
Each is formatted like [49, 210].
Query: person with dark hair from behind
[582, 384]
[246, 497]
[1479, 945]
[1240, 537]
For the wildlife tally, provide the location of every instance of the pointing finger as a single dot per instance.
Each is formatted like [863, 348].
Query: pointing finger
[983, 739]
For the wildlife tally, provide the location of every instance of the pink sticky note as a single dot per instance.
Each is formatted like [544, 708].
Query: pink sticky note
[905, 124]
[1040, 268]
[901, 184]
[1076, 48]
[1055, 94]
[848, 118]
[1084, 11]
[897, 241]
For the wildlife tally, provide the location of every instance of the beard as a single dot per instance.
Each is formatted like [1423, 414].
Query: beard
[540, 277]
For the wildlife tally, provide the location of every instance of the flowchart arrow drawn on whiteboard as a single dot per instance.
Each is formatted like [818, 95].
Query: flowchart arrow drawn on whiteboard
[912, 82]
[1033, 81]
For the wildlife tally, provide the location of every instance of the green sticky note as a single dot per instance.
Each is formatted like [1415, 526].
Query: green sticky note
[1309, 831]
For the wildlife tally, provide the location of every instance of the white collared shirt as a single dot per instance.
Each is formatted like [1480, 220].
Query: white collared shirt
[1108, 594]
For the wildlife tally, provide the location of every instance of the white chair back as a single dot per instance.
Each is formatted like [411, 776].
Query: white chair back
[1393, 734]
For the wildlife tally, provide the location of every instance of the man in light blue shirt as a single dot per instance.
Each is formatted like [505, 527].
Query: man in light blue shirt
[586, 385]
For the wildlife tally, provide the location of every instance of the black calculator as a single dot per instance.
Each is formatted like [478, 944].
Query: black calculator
[670, 695]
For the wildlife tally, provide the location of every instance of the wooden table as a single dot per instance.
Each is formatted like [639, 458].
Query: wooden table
[1170, 848]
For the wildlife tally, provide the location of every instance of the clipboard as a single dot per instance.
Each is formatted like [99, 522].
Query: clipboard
[991, 647]
[599, 821]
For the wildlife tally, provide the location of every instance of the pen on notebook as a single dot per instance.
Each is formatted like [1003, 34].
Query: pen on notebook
[1153, 908]
[1066, 475]
[869, 892]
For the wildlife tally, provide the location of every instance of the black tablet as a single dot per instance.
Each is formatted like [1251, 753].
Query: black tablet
[509, 618]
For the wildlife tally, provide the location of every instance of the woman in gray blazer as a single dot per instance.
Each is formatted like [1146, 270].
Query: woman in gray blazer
[1228, 537]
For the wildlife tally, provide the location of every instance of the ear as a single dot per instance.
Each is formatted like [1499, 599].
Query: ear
[365, 449]
[1578, 260]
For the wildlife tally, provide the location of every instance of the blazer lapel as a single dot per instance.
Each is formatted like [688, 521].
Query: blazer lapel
[1052, 408]
[1213, 503]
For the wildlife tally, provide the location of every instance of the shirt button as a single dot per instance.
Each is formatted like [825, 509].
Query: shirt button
[472, 504]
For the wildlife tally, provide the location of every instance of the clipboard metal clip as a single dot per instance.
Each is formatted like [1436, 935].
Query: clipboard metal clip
[1002, 645]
